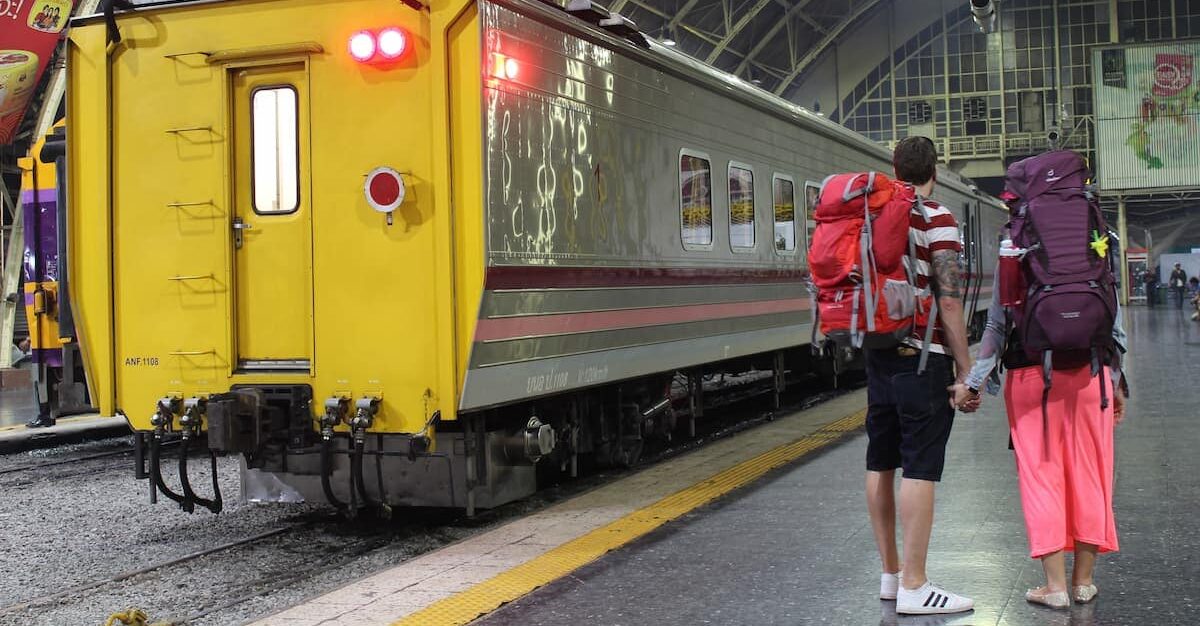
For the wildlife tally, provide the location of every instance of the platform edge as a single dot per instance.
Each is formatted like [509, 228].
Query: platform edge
[483, 598]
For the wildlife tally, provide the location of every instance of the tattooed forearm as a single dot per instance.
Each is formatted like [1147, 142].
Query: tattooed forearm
[947, 280]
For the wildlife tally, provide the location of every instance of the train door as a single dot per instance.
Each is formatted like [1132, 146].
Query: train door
[979, 250]
[969, 231]
[271, 218]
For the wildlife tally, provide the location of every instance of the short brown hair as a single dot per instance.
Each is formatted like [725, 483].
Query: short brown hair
[915, 160]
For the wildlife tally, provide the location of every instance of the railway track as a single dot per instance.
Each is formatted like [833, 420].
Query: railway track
[59, 462]
[296, 553]
[23, 474]
[123, 576]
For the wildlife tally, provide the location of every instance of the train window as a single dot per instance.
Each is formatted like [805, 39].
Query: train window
[812, 195]
[695, 200]
[784, 191]
[741, 206]
[276, 168]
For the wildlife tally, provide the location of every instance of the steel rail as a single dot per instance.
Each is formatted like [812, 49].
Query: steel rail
[84, 587]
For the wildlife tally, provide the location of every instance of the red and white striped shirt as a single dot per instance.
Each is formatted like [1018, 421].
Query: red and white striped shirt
[938, 232]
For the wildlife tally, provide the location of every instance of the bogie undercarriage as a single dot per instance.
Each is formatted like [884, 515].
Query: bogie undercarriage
[481, 460]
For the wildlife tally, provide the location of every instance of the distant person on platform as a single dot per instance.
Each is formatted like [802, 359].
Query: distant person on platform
[1178, 282]
[1150, 280]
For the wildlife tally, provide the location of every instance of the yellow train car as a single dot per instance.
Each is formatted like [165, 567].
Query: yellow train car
[397, 253]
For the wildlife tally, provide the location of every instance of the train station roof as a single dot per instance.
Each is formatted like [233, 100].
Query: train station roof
[767, 42]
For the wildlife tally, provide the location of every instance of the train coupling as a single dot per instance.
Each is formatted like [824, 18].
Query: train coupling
[365, 410]
[191, 421]
[164, 415]
[337, 410]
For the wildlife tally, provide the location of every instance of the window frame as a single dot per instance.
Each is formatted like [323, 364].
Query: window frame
[816, 198]
[729, 167]
[254, 153]
[696, 247]
[795, 232]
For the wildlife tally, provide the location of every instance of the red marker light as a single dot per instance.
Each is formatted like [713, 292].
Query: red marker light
[362, 46]
[392, 43]
[505, 67]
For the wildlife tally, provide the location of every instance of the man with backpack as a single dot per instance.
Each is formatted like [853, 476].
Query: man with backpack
[911, 411]
[885, 260]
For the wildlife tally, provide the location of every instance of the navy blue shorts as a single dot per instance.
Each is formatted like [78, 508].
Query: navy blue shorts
[908, 416]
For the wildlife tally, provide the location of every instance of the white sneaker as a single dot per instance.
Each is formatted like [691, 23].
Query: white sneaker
[930, 599]
[888, 585]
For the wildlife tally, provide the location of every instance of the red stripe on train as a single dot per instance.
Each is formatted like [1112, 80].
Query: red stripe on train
[561, 323]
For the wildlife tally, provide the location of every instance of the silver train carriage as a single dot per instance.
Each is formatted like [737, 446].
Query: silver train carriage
[619, 247]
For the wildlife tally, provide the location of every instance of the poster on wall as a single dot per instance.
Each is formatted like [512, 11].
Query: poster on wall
[29, 31]
[1147, 105]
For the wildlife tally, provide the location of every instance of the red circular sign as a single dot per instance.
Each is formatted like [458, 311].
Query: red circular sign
[384, 189]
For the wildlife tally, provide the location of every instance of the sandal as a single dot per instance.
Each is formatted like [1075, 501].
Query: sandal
[1052, 599]
[1084, 593]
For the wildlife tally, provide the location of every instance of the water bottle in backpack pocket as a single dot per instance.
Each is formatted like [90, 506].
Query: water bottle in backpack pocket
[1011, 277]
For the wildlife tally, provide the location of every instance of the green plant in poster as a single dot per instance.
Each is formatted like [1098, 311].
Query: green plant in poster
[1140, 143]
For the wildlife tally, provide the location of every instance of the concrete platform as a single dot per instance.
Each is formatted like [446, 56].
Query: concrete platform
[773, 553]
[668, 547]
[17, 438]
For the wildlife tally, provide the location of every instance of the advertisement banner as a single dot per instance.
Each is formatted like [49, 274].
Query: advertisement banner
[1147, 105]
[29, 31]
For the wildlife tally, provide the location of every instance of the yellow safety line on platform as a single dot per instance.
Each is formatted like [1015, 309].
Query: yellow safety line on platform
[485, 597]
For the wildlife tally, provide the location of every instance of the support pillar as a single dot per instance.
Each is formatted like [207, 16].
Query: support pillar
[1123, 234]
[1114, 29]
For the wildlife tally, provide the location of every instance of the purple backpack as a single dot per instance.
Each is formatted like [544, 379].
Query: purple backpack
[1068, 315]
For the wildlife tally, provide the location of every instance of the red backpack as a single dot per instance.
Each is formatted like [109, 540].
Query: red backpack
[866, 295]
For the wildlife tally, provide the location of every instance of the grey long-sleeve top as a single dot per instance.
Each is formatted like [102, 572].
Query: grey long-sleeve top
[991, 346]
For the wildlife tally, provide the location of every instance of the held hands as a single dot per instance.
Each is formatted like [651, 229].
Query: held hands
[1118, 407]
[963, 399]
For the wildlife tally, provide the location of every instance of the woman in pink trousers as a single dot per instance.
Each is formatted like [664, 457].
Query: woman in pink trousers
[1065, 463]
